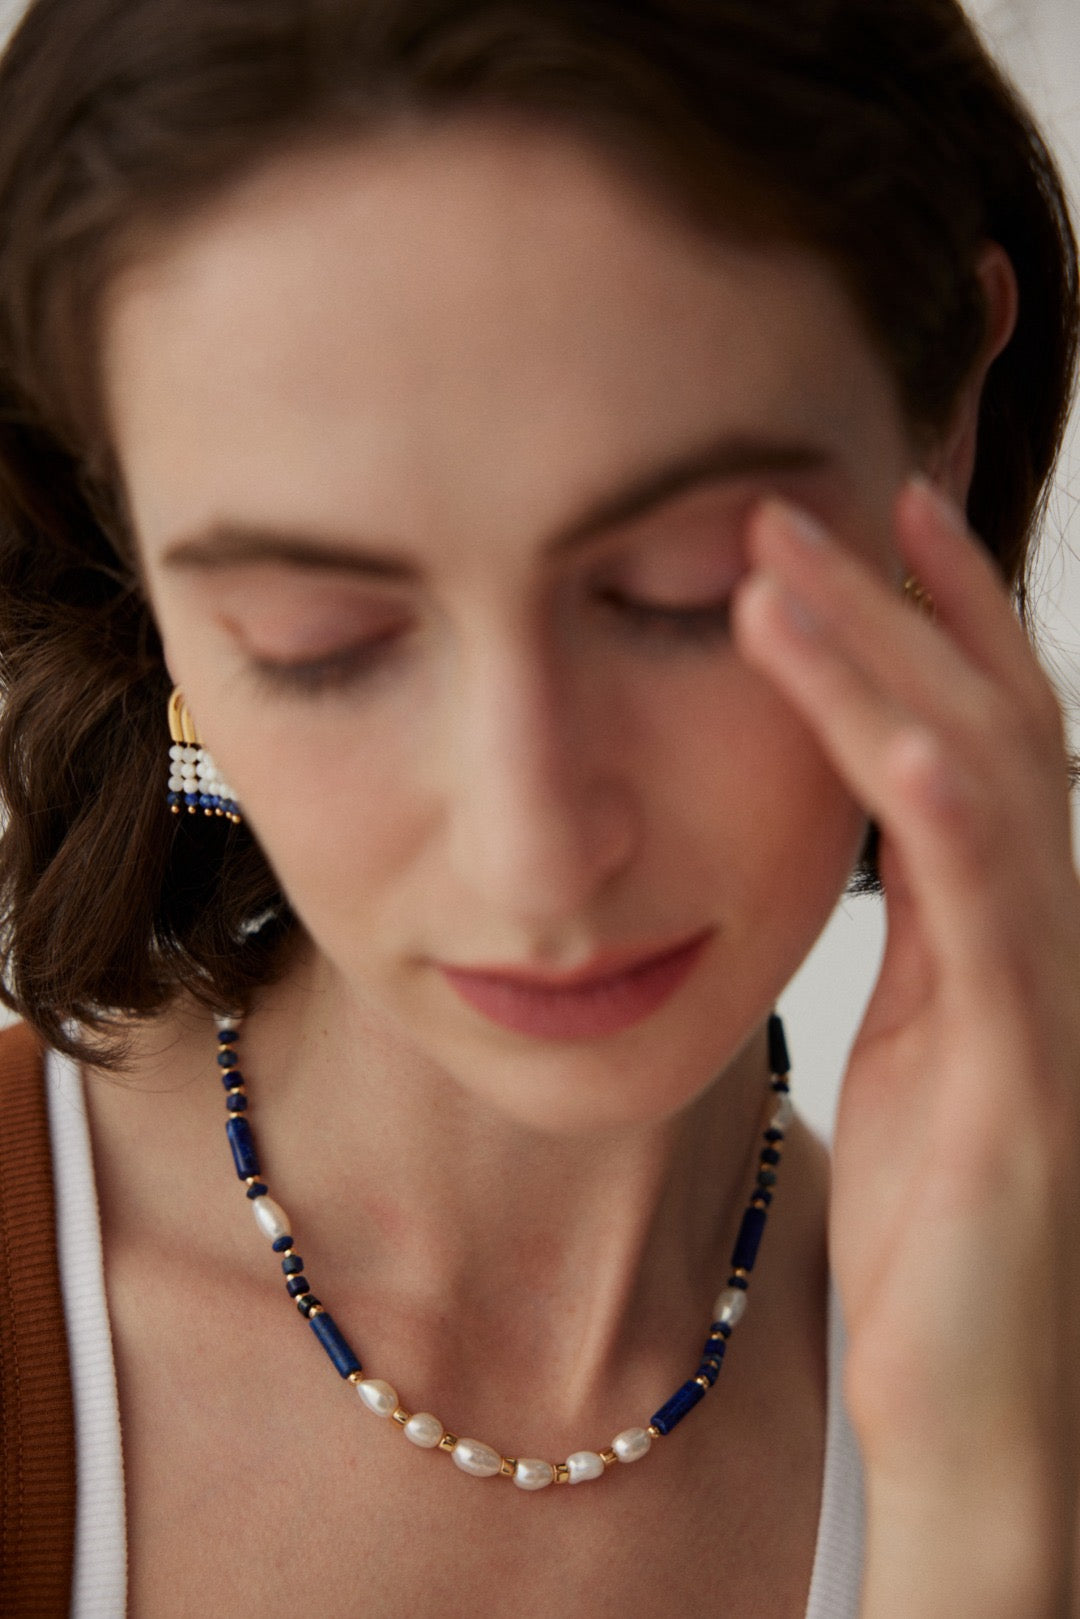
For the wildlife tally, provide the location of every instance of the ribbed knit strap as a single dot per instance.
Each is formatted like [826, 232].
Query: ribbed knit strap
[37, 1419]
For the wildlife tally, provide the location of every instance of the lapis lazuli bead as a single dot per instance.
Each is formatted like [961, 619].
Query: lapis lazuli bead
[769, 1155]
[297, 1285]
[766, 1178]
[192, 800]
[260, 1189]
[293, 1265]
[779, 1061]
[764, 1194]
[738, 1281]
[333, 1341]
[709, 1370]
[172, 799]
[231, 1077]
[280, 1244]
[226, 1037]
[749, 1239]
[242, 1143]
[237, 1103]
[306, 1304]
[774, 1135]
[227, 1059]
[682, 1401]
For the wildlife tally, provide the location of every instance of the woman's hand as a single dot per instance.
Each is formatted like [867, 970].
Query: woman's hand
[955, 1212]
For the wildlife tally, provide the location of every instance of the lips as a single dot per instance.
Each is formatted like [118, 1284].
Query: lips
[607, 996]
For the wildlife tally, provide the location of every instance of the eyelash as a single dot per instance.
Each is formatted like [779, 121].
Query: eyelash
[702, 625]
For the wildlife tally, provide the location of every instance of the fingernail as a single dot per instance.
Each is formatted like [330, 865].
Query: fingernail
[800, 524]
[794, 609]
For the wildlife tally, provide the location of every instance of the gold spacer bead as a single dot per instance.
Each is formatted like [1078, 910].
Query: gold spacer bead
[447, 1442]
[756, 1203]
[250, 1180]
[356, 1377]
[702, 1382]
[708, 1361]
[507, 1465]
[562, 1473]
[607, 1457]
[653, 1433]
[745, 1274]
[400, 1416]
[316, 1309]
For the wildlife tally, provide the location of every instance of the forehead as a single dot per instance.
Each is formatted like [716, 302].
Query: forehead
[415, 327]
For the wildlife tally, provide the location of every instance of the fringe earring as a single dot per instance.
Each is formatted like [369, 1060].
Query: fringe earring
[195, 783]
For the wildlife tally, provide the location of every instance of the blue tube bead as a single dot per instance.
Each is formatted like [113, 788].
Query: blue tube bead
[682, 1401]
[749, 1239]
[242, 1143]
[333, 1341]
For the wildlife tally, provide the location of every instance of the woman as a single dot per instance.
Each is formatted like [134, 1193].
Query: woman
[500, 435]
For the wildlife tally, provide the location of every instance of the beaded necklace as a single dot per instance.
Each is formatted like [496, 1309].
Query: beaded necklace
[423, 1429]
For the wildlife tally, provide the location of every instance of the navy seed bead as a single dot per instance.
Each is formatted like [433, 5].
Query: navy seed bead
[774, 1135]
[720, 1329]
[739, 1282]
[709, 1370]
[260, 1189]
[280, 1244]
[227, 1037]
[297, 1285]
[779, 1061]
[227, 1059]
[781, 1087]
[764, 1194]
[715, 1348]
[769, 1155]
[682, 1401]
[293, 1265]
[749, 1239]
[306, 1303]
[766, 1178]
[333, 1341]
[242, 1143]
[236, 1103]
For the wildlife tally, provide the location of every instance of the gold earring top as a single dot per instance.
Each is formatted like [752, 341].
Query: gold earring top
[182, 727]
[918, 596]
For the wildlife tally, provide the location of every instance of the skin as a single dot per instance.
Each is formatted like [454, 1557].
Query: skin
[498, 331]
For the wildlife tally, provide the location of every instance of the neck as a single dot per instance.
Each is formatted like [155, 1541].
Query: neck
[472, 1260]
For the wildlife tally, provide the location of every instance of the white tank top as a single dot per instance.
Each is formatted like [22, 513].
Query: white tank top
[100, 1572]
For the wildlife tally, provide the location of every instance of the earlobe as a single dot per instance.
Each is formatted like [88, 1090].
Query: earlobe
[953, 464]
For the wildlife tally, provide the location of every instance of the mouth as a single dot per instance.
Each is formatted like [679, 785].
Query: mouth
[603, 997]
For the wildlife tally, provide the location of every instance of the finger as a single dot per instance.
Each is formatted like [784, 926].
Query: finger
[902, 653]
[970, 596]
[950, 826]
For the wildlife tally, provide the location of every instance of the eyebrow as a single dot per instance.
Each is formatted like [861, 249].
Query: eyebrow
[231, 544]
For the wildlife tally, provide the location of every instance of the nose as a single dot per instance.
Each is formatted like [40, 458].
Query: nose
[540, 818]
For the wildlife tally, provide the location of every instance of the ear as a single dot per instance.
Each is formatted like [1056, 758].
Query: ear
[952, 462]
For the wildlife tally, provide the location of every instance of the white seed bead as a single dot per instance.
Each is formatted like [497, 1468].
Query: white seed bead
[783, 1113]
[424, 1430]
[474, 1457]
[584, 1464]
[270, 1218]
[531, 1474]
[730, 1307]
[631, 1444]
[378, 1396]
[176, 784]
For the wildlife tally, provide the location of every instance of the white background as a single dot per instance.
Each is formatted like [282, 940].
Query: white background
[1039, 42]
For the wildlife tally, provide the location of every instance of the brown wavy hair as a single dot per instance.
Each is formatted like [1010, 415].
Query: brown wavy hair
[876, 131]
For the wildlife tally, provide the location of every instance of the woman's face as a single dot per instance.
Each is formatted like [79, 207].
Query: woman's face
[407, 431]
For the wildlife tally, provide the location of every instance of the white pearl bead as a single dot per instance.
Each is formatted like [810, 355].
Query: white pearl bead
[176, 784]
[424, 1430]
[176, 751]
[730, 1307]
[378, 1396]
[783, 1113]
[530, 1474]
[270, 1218]
[474, 1457]
[584, 1464]
[631, 1444]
